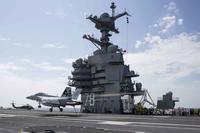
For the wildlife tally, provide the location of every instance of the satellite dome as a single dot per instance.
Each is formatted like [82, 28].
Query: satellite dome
[104, 15]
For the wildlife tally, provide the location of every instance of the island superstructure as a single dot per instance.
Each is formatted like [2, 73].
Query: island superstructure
[104, 77]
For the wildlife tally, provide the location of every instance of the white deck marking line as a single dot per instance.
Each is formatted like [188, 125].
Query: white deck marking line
[7, 115]
[121, 117]
[151, 124]
[166, 124]
[121, 130]
[115, 122]
[10, 115]
[162, 116]
[168, 127]
[148, 118]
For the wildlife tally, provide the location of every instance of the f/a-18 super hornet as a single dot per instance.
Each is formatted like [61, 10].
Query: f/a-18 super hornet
[27, 106]
[66, 99]
[37, 97]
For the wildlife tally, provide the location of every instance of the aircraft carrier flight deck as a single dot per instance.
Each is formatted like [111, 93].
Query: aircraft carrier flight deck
[108, 88]
[13, 121]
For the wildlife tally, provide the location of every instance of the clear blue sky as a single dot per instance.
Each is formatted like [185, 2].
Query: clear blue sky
[40, 39]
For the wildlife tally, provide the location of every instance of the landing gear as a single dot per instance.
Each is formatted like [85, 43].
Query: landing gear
[39, 106]
[74, 109]
[51, 109]
[61, 109]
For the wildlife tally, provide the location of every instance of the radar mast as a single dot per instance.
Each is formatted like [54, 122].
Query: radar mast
[105, 23]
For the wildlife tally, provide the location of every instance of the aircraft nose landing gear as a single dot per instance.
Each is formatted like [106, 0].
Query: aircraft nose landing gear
[61, 109]
[51, 109]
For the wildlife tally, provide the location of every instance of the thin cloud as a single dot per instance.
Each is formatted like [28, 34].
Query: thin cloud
[44, 65]
[138, 44]
[180, 21]
[68, 60]
[53, 45]
[48, 67]
[167, 22]
[11, 67]
[170, 20]
[4, 39]
[57, 13]
[19, 44]
[171, 7]
[163, 26]
[173, 57]
[149, 39]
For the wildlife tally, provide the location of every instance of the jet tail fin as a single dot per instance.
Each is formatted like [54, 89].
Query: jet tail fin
[76, 94]
[13, 104]
[67, 92]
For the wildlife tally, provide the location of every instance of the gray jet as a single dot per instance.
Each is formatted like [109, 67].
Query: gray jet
[57, 101]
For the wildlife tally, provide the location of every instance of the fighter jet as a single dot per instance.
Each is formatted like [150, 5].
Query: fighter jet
[37, 96]
[28, 107]
[56, 101]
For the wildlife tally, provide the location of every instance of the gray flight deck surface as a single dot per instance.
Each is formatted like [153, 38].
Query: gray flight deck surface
[11, 121]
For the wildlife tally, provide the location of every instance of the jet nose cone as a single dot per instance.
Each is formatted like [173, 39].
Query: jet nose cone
[29, 97]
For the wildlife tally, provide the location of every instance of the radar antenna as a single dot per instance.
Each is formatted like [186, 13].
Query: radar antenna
[105, 23]
[113, 8]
